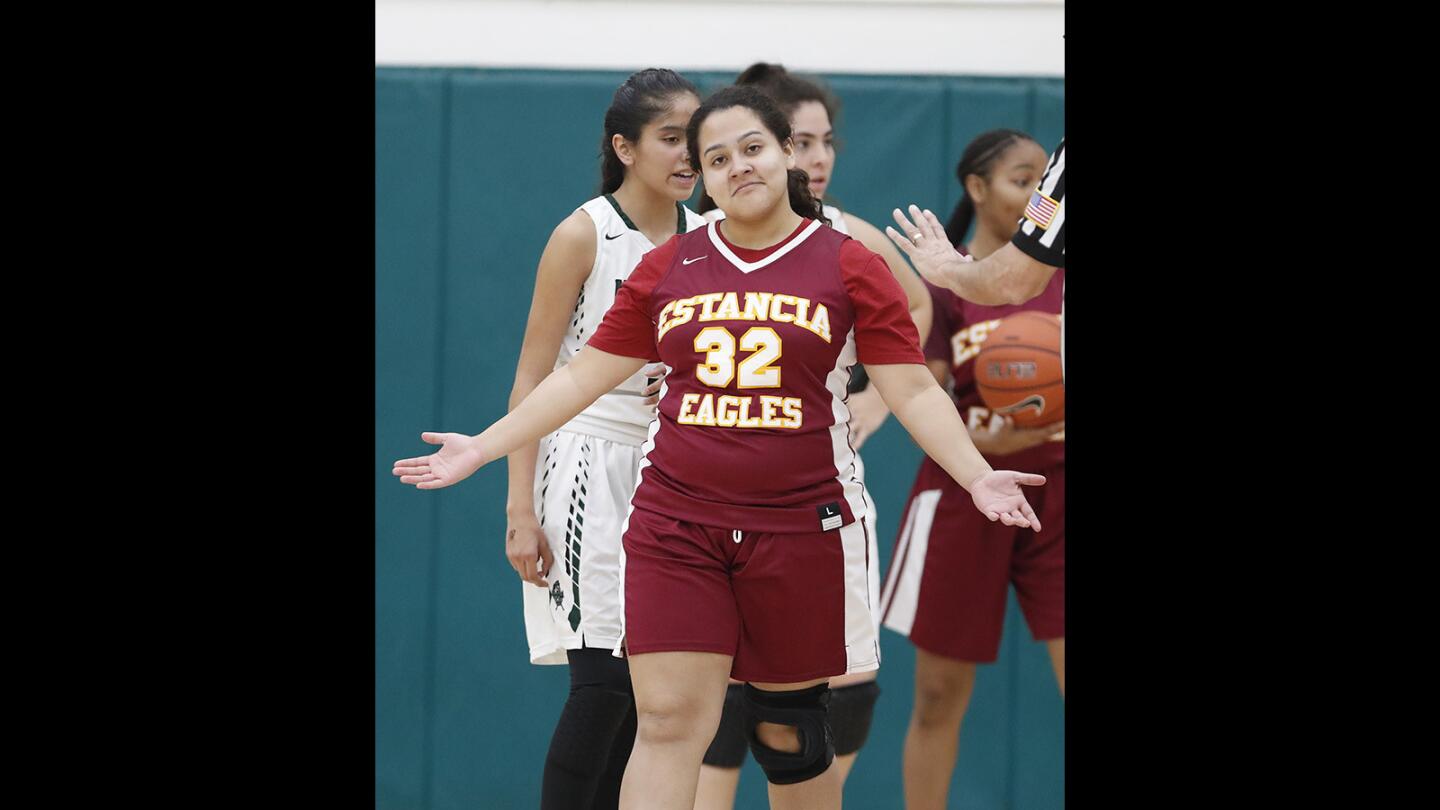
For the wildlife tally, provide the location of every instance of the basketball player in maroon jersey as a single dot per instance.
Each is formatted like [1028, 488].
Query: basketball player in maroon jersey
[744, 554]
[946, 587]
[812, 109]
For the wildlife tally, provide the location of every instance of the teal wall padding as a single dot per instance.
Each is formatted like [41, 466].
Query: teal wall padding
[473, 169]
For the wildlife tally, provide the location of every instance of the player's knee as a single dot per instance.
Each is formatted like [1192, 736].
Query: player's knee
[785, 739]
[667, 719]
[789, 733]
[851, 710]
[728, 748]
[940, 701]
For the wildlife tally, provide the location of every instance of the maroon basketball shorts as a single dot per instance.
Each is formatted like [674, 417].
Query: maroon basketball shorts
[787, 607]
[947, 581]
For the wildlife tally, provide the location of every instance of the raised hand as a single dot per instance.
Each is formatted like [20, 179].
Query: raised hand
[924, 242]
[457, 459]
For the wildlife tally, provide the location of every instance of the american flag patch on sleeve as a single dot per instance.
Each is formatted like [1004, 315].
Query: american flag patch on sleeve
[1041, 210]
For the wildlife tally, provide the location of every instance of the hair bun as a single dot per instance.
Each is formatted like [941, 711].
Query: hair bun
[760, 72]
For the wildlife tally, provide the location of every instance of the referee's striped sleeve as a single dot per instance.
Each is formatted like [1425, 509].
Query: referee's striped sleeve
[1042, 230]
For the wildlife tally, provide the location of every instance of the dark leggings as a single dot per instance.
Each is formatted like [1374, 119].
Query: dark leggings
[593, 737]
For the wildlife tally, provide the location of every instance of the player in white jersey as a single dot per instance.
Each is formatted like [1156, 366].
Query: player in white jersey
[565, 513]
[812, 110]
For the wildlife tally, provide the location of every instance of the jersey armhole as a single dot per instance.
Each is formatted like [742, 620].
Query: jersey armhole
[594, 226]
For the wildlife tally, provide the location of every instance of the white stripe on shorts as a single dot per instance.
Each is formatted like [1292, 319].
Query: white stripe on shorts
[862, 643]
[902, 592]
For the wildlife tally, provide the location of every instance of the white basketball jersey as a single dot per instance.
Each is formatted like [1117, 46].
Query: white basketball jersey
[621, 415]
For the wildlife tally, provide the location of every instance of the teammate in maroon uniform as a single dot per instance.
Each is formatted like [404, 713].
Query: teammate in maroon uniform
[946, 588]
[743, 552]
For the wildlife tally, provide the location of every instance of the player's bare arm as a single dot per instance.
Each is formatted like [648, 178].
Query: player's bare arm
[557, 400]
[1006, 438]
[931, 419]
[564, 265]
[1007, 276]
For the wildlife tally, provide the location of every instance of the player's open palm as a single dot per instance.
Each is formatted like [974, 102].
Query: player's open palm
[457, 459]
[997, 495]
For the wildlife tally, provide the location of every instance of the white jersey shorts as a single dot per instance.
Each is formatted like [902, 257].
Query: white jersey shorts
[583, 486]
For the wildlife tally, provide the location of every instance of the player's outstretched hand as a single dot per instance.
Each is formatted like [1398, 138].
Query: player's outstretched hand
[997, 495]
[925, 243]
[457, 459]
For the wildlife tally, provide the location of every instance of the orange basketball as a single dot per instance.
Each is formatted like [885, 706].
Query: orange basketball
[1018, 369]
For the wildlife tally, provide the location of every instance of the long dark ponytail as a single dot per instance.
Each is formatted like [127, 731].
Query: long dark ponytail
[637, 102]
[772, 118]
[979, 158]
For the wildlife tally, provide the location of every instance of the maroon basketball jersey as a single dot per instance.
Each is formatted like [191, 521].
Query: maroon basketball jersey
[752, 428]
[958, 335]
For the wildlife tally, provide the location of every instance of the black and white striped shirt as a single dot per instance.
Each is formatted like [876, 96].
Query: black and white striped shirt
[1042, 230]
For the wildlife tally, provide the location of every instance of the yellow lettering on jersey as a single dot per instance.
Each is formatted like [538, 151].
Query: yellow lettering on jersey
[707, 303]
[680, 313]
[686, 403]
[731, 411]
[768, 404]
[729, 309]
[965, 344]
[746, 420]
[725, 415]
[778, 314]
[757, 306]
[802, 308]
[981, 419]
[705, 414]
[820, 324]
[791, 406]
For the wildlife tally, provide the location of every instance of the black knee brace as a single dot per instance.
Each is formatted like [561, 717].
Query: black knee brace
[727, 750]
[587, 732]
[804, 709]
[851, 709]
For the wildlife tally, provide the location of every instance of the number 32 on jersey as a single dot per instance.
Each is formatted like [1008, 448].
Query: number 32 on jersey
[757, 370]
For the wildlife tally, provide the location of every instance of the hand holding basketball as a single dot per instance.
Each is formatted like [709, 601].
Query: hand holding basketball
[457, 459]
[997, 495]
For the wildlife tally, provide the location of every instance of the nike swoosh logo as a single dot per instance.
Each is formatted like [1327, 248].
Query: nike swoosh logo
[616, 236]
[688, 261]
[1033, 401]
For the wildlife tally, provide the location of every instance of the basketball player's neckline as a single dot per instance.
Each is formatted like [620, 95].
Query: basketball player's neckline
[777, 251]
[680, 219]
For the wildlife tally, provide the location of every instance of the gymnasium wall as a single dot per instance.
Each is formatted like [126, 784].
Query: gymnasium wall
[473, 168]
